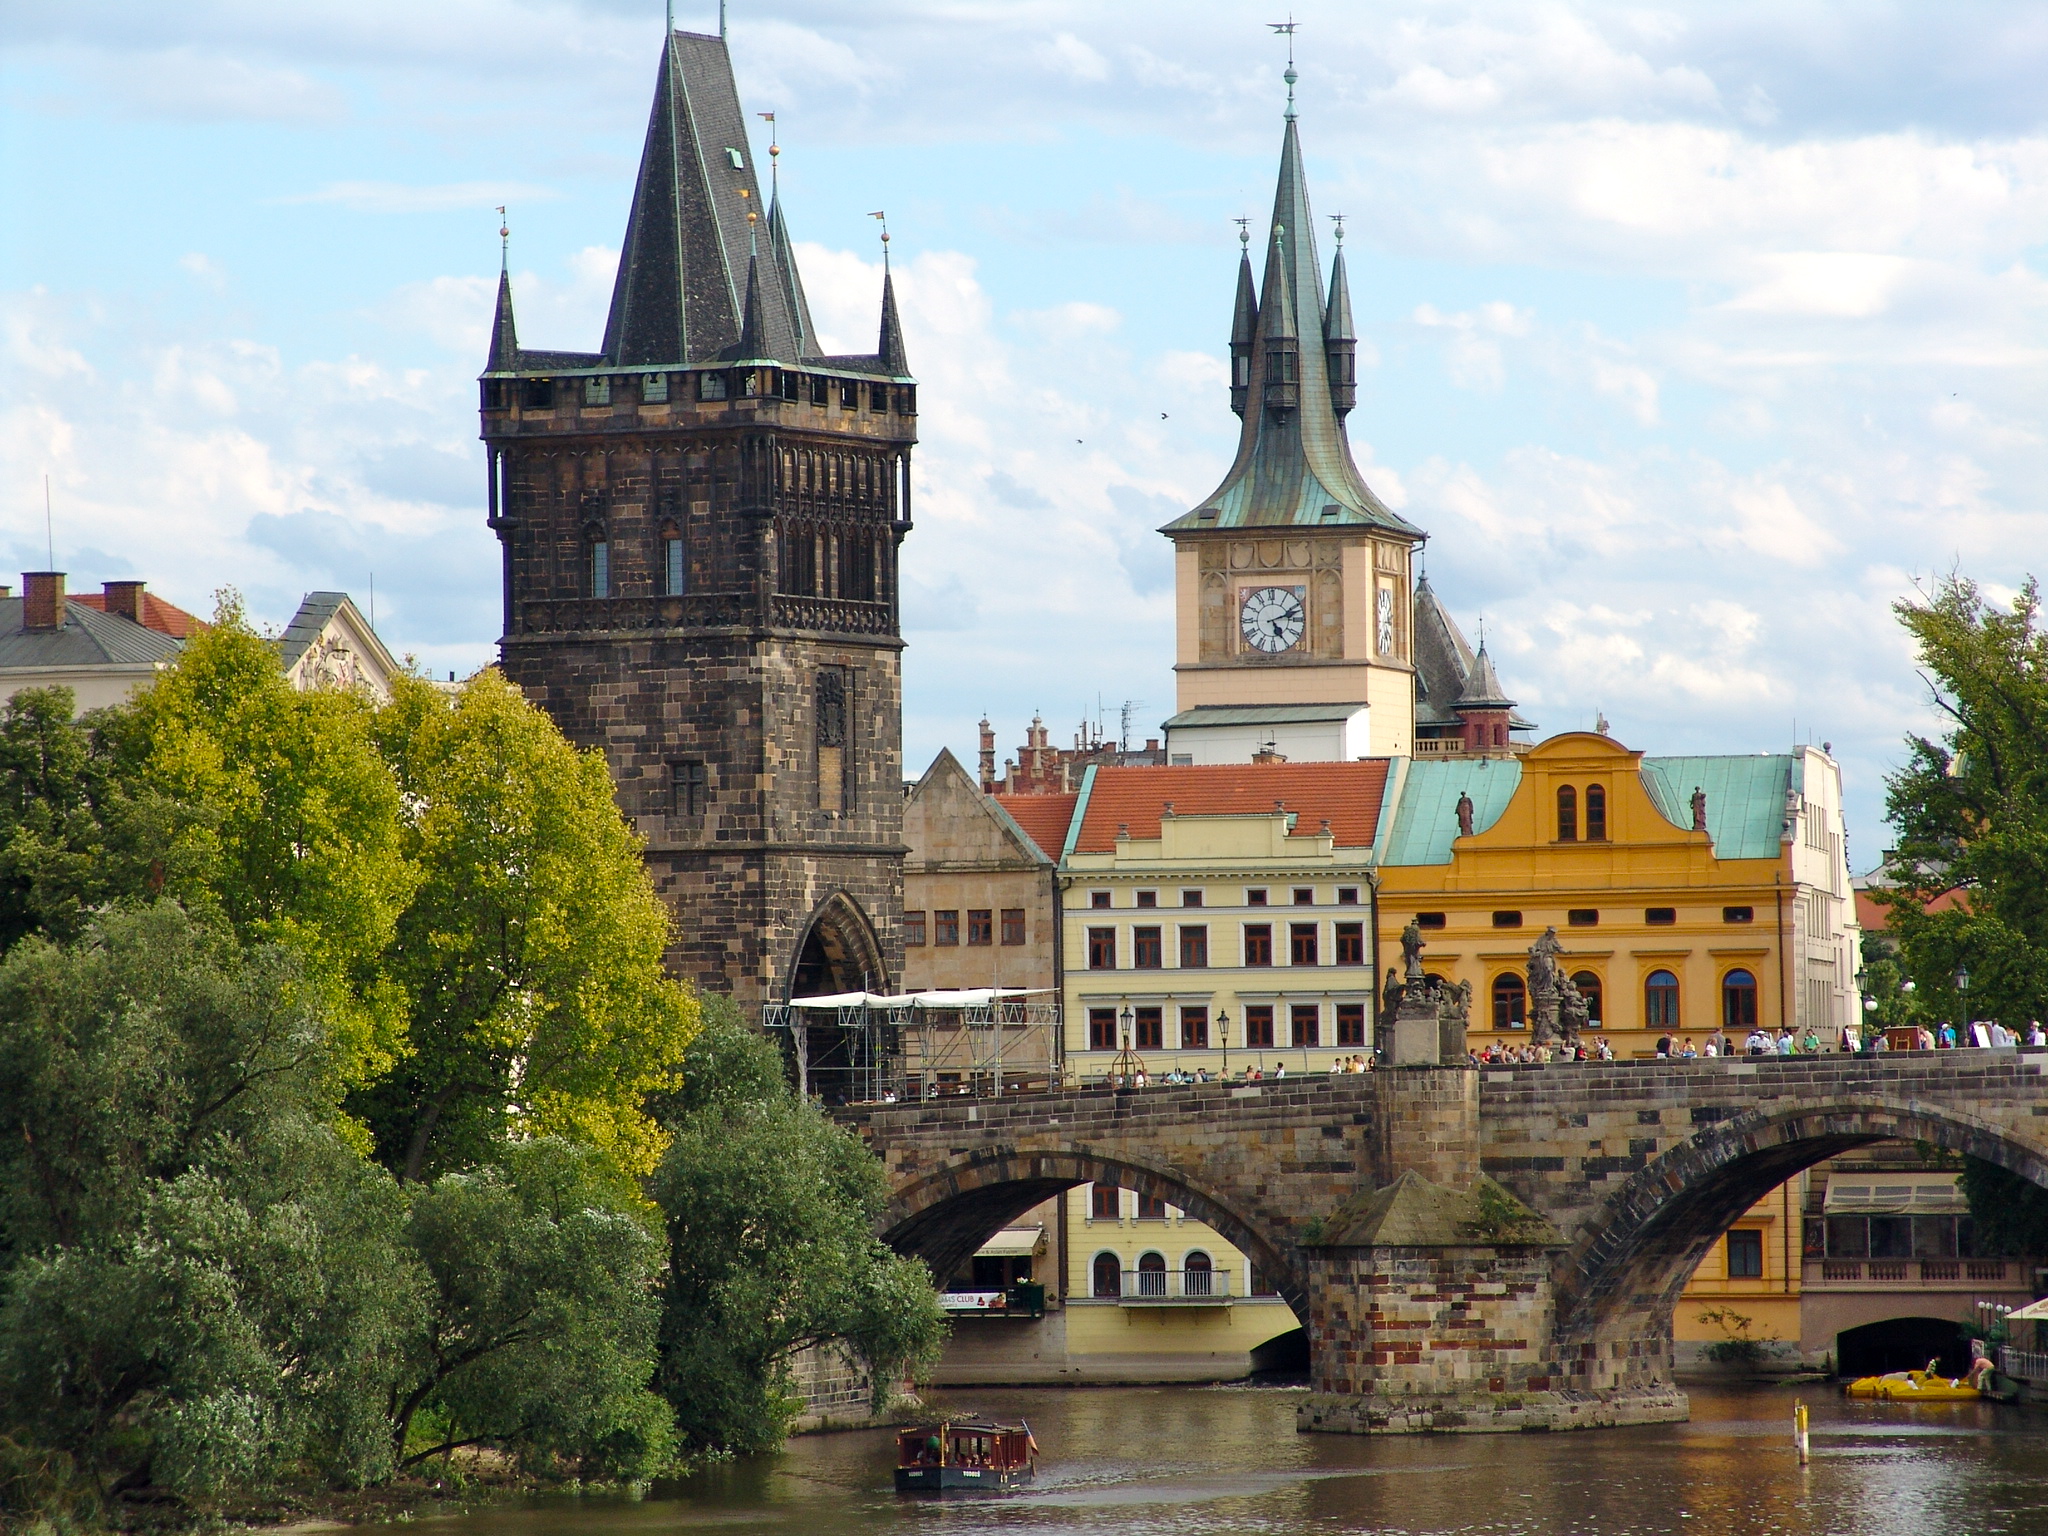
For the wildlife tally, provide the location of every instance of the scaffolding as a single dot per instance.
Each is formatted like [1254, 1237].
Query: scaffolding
[863, 1048]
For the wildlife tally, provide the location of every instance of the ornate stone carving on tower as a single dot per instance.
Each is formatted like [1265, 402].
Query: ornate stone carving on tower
[1292, 577]
[700, 526]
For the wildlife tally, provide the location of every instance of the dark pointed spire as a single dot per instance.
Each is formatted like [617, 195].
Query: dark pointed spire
[1244, 326]
[504, 333]
[1279, 337]
[1340, 343]
[753, 344]
[782, 256]
[895, 360]
[1482, 689]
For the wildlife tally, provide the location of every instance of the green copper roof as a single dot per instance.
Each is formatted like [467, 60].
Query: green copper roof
[1745, 798]
[1426, 820]
[1293, 469]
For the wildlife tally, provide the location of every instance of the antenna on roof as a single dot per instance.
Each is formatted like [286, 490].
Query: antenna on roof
[1286, 29]
[504, 241]
[721, 20]
[671, 17]
[878, 214]
[49, 527]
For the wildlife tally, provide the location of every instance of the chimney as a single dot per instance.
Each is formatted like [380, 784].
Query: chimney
[124, 598]
[987, 761]
[6, 590]
[42, 600]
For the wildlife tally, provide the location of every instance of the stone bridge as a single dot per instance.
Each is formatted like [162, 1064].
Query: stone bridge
[1499, 1248]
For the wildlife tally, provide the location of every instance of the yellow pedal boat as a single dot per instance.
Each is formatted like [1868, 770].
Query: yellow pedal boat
[1928, 1386]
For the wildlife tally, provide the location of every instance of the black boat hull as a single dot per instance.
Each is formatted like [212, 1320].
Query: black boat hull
[960, 1479]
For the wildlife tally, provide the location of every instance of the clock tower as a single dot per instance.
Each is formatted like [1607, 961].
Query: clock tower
[1293, 614]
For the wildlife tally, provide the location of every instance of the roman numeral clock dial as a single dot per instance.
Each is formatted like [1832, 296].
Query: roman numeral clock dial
[1272, 619]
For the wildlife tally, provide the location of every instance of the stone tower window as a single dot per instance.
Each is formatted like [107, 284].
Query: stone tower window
[833, 726]
[600, 566]
[675, 562]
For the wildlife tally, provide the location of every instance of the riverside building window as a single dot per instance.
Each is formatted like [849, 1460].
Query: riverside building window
[981, 927]
[1101, 1029]
[1105, 1202]
[1660, 1001]
[1013, 925]
[1151, 1029]
[1510, 1002]
[1301, 944]
[913, 929]
[1145, 949]
[1258, 1025]
[1596, 814]
[1351, 1023]
[1101, 949]
[1745, 1254]
[1308, 1024]
[1350, 943]
[1258, 944]
[946, 927]
[1194, 1029]
[1738, 1002]
[1194, 948]
[1567, 815]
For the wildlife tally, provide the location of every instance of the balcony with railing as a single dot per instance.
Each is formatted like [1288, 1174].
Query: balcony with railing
[1193, 1287]
[1921, 1274]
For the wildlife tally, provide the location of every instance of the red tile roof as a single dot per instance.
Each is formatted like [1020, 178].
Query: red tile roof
[1871, 915]
[1043, 817]
[1347, 794]
[165, 618]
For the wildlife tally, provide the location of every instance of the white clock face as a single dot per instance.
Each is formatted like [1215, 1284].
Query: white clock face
[1386, 621]
[1272, 618]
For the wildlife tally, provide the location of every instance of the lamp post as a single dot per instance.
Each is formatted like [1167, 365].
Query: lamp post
[1128, 1066]
[1223, 1034]
[1963, 992]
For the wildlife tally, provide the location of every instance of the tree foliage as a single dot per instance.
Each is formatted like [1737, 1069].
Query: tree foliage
[1972, 809]
[2008, 1211]
[771, 1215]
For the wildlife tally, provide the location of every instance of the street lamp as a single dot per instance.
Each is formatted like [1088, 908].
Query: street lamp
[1223, 1034]
[1963, 992]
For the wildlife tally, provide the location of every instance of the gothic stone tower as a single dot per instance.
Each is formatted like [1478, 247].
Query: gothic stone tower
[1292, 578]
[700, 526]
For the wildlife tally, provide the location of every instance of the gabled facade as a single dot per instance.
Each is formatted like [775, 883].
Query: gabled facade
[329, 644]
[699, 526]
[1292, 576]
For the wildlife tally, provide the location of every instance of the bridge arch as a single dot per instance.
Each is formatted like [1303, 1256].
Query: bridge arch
[943, 1217]
[1623, 1275]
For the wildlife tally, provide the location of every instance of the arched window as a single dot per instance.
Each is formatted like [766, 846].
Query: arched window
[600, 565]
[1108, 1275]
[1596, 814]
[1510, 1001]
[675, 563]
[1151, 1274]
[1567, 814]
[1660, 1001]
[1198, 1275]
[1738, 1002]
[1589, 988]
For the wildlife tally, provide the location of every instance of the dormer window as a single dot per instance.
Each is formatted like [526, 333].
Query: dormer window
[738, 160]
[597, 391]
[710, 386]
[654, 389]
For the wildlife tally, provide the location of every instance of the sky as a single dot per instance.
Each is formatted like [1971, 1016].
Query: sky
[1695, 336]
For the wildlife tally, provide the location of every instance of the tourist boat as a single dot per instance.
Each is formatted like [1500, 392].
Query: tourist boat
[1928, 1386]
[967, 1453]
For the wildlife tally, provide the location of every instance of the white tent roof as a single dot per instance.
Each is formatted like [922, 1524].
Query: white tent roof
[971, 997]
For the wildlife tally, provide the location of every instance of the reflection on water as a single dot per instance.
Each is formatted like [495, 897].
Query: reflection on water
[1226, 1459]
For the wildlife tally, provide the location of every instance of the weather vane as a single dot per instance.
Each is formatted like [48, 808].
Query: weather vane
[1338, 220]
[878, 214]
[1286, 29]
[774, 152]
[504, 240]
[1244, 233]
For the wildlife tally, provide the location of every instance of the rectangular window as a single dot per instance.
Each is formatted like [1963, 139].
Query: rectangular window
[1258, 944]
[1194, 948]
[1255, 898]
[1301, 944]
[1660, 916]
[1146, 950]
[1151, 1208]
[1194, 1029]
[1148, 898]
[1891, 1237]
[1258, 1025]
[946, 927]
[1101, 949]
[1308, 1024]
[981, 927]
[540, 395]
[1350, 943]
[913, 930]
[1013, 925]
[1351, 1023]
[1099, 900]
[1738, 914]
[1347, 895]
[849, 395]
[1105, 1202]
[1191, 898]
[1429, 919]
[711, 386]
[1304, 896]
[1507, 919]
[821, 389]
[1101, 1029]
[1745, 1254]
[1848, 1237]
[792, 384]
[675, 571]
[906, 399]
[686, 789]
[597, 391]
[654, 389]
[1583, 917]
[1150, 1029]
[600, 568]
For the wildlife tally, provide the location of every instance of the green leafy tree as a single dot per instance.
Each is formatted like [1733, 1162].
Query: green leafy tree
[531, 950]
[1972, 809]
[541, 1324]
[771, 1212]
[2008, 1211]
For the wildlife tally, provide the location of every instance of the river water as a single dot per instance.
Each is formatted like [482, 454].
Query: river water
[1195, 1461]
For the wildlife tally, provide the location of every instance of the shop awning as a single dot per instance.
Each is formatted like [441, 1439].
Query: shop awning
[1895, 1194]
[1012, 1243]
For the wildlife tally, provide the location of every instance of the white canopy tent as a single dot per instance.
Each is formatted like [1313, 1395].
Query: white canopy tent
[970, 997]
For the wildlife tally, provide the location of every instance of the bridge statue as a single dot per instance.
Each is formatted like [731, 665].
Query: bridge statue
[1468, 1250]
[1573, 1012]
[1543, 989]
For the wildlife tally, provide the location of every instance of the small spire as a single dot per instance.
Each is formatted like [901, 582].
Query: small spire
[1244, 322]
[504, 333]
[895, 360]
[1276, 306]
[754, 327]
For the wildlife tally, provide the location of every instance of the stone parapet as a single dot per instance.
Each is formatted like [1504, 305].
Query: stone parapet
[1488, 1413]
